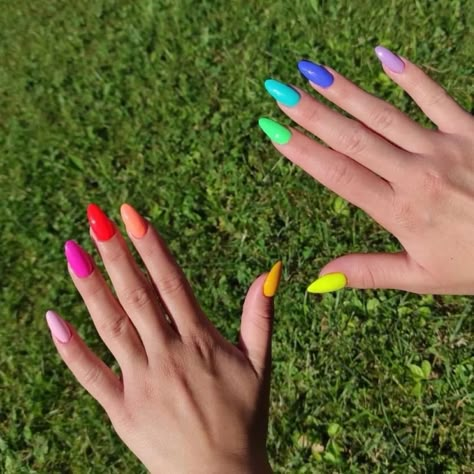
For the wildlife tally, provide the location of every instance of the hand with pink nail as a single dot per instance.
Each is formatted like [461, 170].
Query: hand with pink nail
[187, 399]
[417, 182]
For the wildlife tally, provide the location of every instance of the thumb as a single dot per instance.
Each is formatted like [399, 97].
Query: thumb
[377, 270]
[257, 319]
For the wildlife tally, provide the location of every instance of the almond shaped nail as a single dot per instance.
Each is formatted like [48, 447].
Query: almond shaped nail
[327, 283]
[389, 59]
[78, 259]
[282, 93]
[101, 225]
[272, 281]
[58, 327]
[276, 132]
[136, 225]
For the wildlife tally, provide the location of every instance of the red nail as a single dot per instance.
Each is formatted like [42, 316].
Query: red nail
[100, 223]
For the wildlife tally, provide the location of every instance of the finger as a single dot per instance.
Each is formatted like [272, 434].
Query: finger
[435, 102]
[110, 320]
[379, 270]
[89, 370]
[344, 176]
[173, 287]
[257, 319]
[376, 114]
[133, 290]
[349, 137]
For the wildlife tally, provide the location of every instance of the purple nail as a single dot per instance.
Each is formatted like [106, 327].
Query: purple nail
[389, 59]
[59, 329]
[78, 259]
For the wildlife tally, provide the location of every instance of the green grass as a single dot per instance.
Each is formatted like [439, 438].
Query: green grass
[157, 103]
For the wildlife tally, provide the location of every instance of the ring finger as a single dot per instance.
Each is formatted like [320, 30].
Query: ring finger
[110, 320]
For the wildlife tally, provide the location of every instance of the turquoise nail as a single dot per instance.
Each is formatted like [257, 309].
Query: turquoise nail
[284, 94]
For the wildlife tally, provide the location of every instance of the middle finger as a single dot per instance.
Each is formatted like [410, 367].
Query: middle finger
[348, 137]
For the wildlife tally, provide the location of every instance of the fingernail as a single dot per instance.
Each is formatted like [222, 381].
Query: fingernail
[276, 132]
[316, 73]
[78, 259]
[100, 223]
[134, 222]
[389, 59]
[327, 283]
[270, 285]
[59, 329]
[284, 94]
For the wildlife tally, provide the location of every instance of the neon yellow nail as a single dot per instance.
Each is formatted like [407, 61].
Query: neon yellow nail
[327, 283]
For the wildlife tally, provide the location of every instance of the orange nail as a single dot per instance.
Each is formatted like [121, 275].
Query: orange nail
[134, 222]
[270, 285]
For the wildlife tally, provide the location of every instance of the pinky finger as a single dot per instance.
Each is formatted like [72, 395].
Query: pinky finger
[435, 102]
[91, 372]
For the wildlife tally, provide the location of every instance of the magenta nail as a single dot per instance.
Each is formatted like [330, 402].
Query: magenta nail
[389, 59]
[78, 259]
[59, 329]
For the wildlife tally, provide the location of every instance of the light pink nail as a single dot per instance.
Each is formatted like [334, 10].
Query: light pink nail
[389, 59]
[59, 329]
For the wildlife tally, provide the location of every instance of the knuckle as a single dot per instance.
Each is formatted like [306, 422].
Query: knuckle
[354, 142]
[434, 183]
[172, 369]
[382, 117]
[404, 215]
[171, 284]
[435, 98]
[137, 298]
[92, 376]
[365, 276]
[93, 291]
[262, 323]
[115, 327]
[310, 113]
[115, 255]
[339, 174]
[204, 345]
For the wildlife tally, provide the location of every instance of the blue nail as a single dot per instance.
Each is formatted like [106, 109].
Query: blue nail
[316, 73]
[284, 94]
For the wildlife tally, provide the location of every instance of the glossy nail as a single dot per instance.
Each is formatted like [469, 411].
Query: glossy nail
[270, 285]
[59, 329]
[78, 259]
[134, 222]
[276, 132]
[327, 283]
[284, 94]
[100, 223]
[316, 73]
[390, 60]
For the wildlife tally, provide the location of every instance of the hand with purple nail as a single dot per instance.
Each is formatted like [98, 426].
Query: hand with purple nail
[417, 182]
[187, 400]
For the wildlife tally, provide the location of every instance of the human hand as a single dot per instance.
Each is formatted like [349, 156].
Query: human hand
[187, 400]
[416, 182]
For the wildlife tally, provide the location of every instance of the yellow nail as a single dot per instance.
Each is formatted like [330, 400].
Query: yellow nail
[270, 286]
[327, 283]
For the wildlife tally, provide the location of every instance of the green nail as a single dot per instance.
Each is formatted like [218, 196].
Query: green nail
[276, 132]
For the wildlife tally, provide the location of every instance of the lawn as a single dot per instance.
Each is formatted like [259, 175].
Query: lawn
[156, 103]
